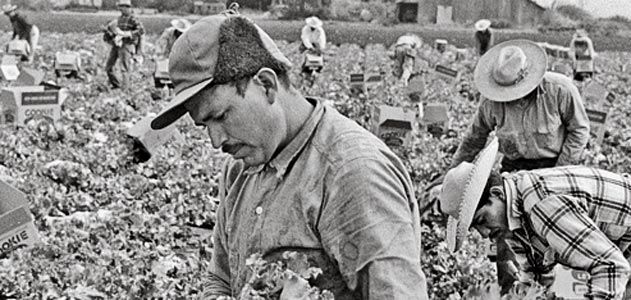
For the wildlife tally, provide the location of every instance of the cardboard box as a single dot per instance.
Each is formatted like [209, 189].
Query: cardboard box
[161, 75]
[16, 222]
[451, 76]
[372, 79]
[595, 95]
[597, 124]
[313, 60]
[19, 48]
[24, 103]
[562, 68]
[440, 45]
[151, 140]
[357, 83]
[29, 77]
[393, 125]
[569, 284]
[9, 67]
[584, 66]
[67, 63]
[435, 118]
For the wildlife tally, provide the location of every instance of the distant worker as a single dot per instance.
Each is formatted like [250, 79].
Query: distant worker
[582, 48]
[170, 35]
[483, 36]
[22, 28]
[313, 37]
[126, 41]
[405, 56]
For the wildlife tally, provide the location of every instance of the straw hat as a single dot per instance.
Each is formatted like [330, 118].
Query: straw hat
[461, 192]
[510, 70]
[181, 25]
[9, 8]
[313, 21]
[482, 25]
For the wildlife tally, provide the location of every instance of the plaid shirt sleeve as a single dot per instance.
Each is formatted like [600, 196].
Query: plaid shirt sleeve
[564, 223]
[576, 123]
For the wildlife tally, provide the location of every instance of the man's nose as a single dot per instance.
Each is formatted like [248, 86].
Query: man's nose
[217, 135]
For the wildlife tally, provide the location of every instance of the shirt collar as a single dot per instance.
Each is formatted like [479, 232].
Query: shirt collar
[281, 162]
[513, 213]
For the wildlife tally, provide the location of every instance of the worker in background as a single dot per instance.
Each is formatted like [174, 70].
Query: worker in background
[126, 43]
[483, 36]
[22, 28]
[313, 36]
[405, 56]
[581, 48]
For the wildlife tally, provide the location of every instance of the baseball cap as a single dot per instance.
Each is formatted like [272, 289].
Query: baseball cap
[193, 62]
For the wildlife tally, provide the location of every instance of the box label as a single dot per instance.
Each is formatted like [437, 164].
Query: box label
[357, 78]
[569, 283]
[40, 98]
[597, 124]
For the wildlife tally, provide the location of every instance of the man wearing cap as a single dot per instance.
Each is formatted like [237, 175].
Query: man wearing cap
[483, 36]
[22, 28]
[405, 55]
[300, 177]
[168, 37]
[573, 215]
[538, 116]
[132, 33]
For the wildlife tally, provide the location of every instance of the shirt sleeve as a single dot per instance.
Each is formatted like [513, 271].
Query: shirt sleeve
[322, 39]
[565, 225]
[576, 122]
[305, 37]
[218, 283]
[475, 137]
[370, 227]
[163, 42]
[139, 29]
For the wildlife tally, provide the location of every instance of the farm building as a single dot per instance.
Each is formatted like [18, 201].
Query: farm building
[520, 12]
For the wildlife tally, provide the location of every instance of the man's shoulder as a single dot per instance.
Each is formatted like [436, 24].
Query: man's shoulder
[555, 80]
[342, 140]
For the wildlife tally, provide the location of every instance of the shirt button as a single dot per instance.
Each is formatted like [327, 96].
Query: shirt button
[258, 210]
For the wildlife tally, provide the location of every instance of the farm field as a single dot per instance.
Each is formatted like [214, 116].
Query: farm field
[337, 32]
[115, 228]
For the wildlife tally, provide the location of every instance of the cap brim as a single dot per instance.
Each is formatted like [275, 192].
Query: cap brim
[457, 229]
[486, 85]
[175, 108]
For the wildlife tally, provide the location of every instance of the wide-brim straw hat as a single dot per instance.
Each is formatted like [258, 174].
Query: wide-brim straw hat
[181, 25]
[462, 188]
[313, 22]
[482, 25]
[9, 8]
[485, 73]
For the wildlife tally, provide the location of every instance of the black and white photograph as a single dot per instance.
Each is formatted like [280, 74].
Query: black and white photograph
[315, 149]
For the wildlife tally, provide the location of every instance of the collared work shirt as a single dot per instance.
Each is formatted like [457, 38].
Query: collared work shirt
[130, 23]
[21, 26]
[335, 193]
[313, 38]
[552, 125]
[577, 216]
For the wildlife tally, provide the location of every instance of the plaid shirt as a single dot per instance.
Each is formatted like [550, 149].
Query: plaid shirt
[131, 23]
[577, 216]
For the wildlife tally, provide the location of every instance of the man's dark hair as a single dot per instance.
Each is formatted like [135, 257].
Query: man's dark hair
[495, 179]
[242, 54]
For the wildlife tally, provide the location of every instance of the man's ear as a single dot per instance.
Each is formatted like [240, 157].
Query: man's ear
[267, 79]
[498, 192]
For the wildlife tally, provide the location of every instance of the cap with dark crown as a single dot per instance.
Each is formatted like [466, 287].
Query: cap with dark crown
[217, 49]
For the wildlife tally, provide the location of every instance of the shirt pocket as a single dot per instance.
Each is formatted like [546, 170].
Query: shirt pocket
[546, 127]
